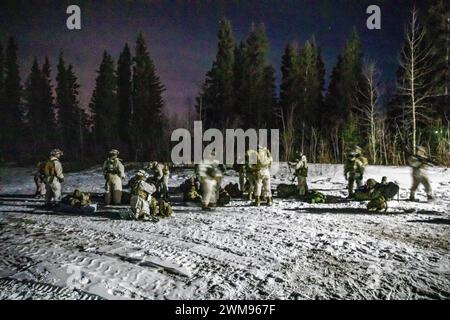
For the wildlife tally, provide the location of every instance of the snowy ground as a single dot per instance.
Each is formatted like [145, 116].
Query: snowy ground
[291, 250]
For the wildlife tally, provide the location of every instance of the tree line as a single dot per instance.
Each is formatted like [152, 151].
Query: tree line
[125, 111]
[356, 108]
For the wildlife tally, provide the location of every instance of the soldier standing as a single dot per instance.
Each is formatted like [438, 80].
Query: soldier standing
[418, 163]
[264, 163]
[251, 171]
[38, 178]
[301, 172]
[354, 168]
[53, 177]
[160, 177]
[114, 172]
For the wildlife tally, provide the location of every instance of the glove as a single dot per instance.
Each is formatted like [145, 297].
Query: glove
[61, 180]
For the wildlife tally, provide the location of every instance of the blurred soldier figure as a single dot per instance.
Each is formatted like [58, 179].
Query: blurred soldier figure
[301, 172]
[159, 175]
[418, 163]
[114, 172]
[53, 177]
[141, 196]
[210, 174]
[251, 172]
[264, 163]
[38, 178]
[354, 168]
[240, 169]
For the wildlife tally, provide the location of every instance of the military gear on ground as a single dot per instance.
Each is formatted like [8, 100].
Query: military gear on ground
[77, 199]
[224, 197]
[233, 190]
[287, 190]
[316, 197]
[378, 203]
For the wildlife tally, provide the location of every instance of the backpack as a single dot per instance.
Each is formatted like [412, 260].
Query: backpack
[316, 197]
[48, 169]
[389, 190]
[377, 204]
[111, 166]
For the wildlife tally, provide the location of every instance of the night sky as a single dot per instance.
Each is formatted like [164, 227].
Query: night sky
[181, 35]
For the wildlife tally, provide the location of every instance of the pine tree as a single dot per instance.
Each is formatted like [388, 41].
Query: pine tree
[238, 84]
[147, 120]
[104, 106]
[124, 95]
[12, 102]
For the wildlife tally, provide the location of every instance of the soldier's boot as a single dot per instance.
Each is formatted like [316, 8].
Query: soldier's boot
[269, 201]
[206, 208]
[257, 201]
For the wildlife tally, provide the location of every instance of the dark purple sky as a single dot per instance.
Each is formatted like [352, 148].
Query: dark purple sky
[181, 35]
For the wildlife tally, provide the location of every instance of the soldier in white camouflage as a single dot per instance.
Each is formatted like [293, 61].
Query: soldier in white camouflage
[419, 162]
[354, 168]
[114, 173]
[52, 172]
[263, 186]
[301, 172]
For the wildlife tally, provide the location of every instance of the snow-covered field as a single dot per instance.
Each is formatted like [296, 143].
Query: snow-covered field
[291, 250]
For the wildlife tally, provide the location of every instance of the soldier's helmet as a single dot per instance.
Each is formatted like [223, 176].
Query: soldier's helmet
[142, 174]
[358, 150]
[421, 152]
[152, 164]
[114, 152]
[56, 152]
[371, 183]
[384, 179]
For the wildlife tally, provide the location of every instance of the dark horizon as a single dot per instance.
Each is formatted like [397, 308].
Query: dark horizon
[181, 35]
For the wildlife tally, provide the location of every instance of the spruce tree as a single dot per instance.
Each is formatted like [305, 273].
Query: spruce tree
[69, 113]
[147, 120]
[33, 106]
[48, 105]
[289, 80]
[218, 97]
[342, 95]
[124, 95]
[104, 106]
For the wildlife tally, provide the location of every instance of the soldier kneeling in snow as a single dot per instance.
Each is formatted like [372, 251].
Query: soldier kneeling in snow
[141, 196]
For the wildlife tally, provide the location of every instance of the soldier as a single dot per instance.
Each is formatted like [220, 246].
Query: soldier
[38, 178]
[354, 169]
[240, 168]
[53, 177]
[264, 163]
[114, 172]
[160, 177]
[251, 172]
[301, 172]
[210, 174]
[141, 196]
[418, 163]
